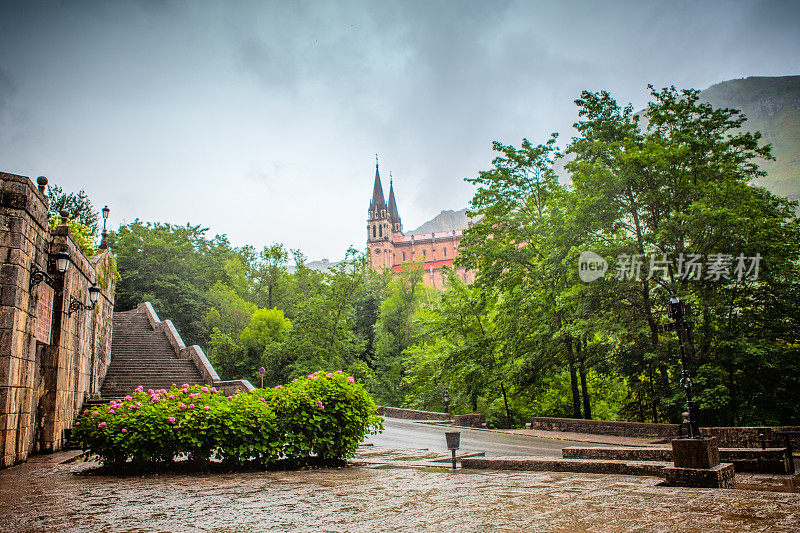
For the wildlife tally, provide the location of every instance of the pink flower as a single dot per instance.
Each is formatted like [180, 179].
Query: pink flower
[338, 371]
[329, 375]
[262, 400]
[77, 423]
[319, 404]
[185, 386]
[102, 425]
[139, 389]
[181, 406]
[124, 430]
[191, 406]
[94, 413]
[86, 411]
[278, 387]
[310, 376]
[150, 391]
[111, 411]
[351, 379]
[206, 408]
[171, 396]
[294, 380]
[154, 398]
[230, 397]
[213, 390]
[138, 404]
[185, 390]
[128, 398]
[171, 420]
[204, 389]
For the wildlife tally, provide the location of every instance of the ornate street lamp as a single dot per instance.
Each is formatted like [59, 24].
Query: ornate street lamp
[677, 311]
[77, 305]
[61, 261]
[104, 238]
[446, 400]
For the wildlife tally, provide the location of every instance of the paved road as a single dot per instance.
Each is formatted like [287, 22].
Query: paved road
[407, 434]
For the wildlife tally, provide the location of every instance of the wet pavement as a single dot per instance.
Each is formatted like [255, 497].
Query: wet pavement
[44, 495]
[408, 434]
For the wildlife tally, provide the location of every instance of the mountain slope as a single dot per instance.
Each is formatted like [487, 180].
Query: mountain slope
[447, 220]
[772, 106]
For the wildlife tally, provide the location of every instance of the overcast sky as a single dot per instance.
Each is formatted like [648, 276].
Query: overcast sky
[260, 120]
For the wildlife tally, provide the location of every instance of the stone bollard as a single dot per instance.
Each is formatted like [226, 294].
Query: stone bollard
[696, 464]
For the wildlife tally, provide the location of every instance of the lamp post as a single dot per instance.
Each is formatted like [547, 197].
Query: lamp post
[261, 371]
[677, 311]
[446, 400]
[104, 238]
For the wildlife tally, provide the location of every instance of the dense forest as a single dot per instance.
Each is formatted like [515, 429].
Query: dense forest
[665, 198]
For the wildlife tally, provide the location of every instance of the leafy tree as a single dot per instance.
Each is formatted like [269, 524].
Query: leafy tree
[263, 345]
[78, 204]
[683, 185]
[394, 332]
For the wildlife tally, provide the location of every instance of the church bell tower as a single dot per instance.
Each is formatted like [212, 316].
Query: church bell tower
[383, 222]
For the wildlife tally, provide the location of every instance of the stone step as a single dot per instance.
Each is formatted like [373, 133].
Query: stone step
[584, 466]
[764, 460]
[141, 356]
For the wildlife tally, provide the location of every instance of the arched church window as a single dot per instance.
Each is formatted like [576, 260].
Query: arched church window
[380, 230]
[404, 257]
[444, 252]
[373, 232]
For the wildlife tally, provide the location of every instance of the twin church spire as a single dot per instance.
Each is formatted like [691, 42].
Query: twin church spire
[383, 218]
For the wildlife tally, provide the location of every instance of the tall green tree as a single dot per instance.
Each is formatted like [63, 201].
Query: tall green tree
[676, 187]
[394, 332]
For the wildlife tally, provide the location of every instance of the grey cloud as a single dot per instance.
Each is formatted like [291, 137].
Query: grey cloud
[7, 91]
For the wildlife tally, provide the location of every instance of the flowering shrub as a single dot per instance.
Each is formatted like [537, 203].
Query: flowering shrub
[324, 415]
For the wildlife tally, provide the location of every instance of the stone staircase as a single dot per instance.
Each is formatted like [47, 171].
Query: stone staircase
[143, 356]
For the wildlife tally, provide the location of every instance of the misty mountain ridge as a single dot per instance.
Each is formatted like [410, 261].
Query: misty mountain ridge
[447, 220]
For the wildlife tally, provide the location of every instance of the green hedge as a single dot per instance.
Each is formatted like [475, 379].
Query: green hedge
[322, 415]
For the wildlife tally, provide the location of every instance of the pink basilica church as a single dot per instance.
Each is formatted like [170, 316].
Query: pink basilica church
[390, 248]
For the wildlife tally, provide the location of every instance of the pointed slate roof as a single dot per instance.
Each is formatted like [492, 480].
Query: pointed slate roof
[394, 216]
[377, 203]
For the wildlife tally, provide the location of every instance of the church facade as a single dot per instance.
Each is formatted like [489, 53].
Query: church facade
[391, 249]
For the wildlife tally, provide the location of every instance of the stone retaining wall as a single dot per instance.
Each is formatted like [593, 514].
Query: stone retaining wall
[473, 420]
[747, 437]
[770, 460]
[728, 437]
[49, 361]
[233, 386]
[411, 414]
[606, 427]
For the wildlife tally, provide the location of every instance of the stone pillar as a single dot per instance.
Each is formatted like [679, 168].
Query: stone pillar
[696, 464]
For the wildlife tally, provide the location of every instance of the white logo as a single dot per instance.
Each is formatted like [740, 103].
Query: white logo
[591, 266]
